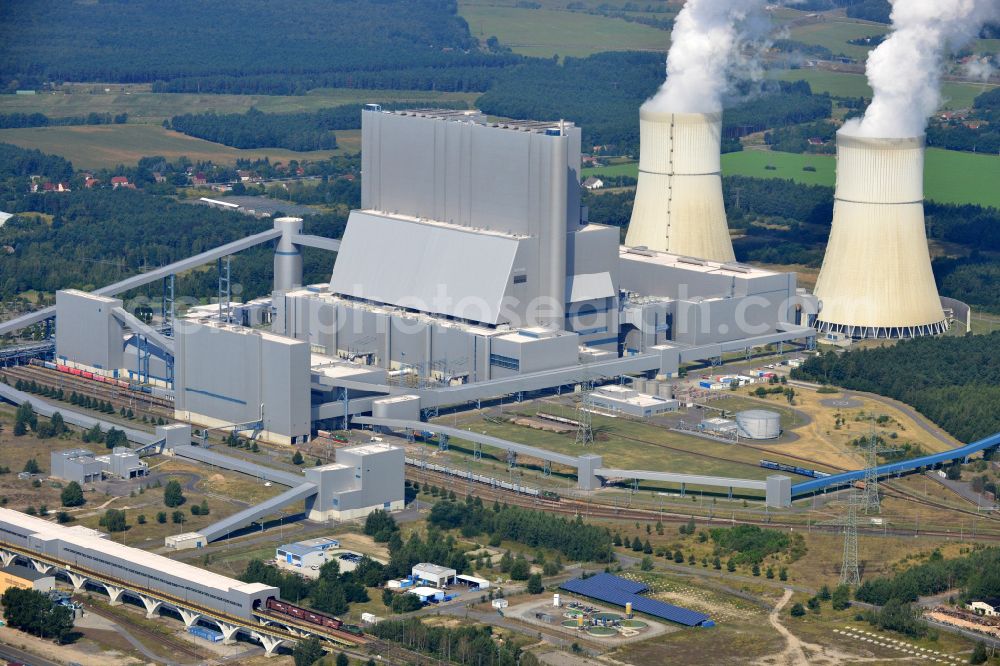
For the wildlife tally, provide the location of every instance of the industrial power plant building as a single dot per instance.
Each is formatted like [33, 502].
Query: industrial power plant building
[469, 272]
[82, 466]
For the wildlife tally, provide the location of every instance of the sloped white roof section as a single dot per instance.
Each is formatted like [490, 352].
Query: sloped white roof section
[589, 286]
[423, 265]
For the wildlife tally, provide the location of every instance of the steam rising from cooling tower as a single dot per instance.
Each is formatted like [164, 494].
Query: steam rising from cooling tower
[678, 201]
[704, 48]
[904, 71]
[876, 280]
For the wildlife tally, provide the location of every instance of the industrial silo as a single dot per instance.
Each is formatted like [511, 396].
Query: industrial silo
[678, 199]
[758, 424]
[876, 279]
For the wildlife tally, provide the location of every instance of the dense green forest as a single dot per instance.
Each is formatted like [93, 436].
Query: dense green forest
[602, 94]
[294, 131]
[244, 46]
[574, 539]
[976, 574]
[255, 129]
[100, 236]
[953, 381]
[464, 644]
[974, 279]
[15, 120]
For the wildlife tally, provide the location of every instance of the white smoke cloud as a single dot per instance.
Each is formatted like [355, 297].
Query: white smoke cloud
[705, 48]
[905, 70]
[979, 68]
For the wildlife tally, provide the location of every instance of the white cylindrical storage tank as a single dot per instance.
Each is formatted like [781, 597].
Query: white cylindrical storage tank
[759, 424]
[876, 279]
[665, 391]
[678, 200]
[651, 387]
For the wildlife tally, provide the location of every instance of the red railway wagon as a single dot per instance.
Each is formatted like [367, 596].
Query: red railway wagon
[62, 368]
[76, 372]
[86, 374]
[303, 614]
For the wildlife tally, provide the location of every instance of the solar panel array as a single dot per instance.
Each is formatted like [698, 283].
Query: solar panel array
[619, 591]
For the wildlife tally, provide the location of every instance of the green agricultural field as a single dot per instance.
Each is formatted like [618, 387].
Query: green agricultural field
[756, 163]
[106, 146]
[834, 34]
[954, 177]
[544, 33]
[149, 107]
[845, 84]
[950, 176]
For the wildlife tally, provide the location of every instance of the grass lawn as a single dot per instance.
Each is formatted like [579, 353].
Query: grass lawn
[950, 176]
[617, 442]
[846, 84]
[148, 107]
[834, 35]
[544, 33]
[100, 146]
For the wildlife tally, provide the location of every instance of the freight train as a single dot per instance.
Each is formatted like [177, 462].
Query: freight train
[312, 617]
[101, 379]
[480, 478]
[816, 474]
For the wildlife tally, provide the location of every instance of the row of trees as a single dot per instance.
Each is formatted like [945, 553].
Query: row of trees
[15, 120]
[954, 381]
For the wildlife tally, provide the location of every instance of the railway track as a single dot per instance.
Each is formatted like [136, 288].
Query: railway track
[574, 507]
[890, 490]
[119, 397]
[176, 646]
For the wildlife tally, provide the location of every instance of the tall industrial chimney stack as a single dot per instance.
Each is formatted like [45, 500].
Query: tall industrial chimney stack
[876, 279]
[678, 201]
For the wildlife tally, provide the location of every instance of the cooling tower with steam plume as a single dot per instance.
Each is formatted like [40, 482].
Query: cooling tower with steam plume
[678, 200]
[876, 279]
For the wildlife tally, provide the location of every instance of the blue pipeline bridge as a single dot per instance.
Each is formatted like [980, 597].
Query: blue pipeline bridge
[896, 468]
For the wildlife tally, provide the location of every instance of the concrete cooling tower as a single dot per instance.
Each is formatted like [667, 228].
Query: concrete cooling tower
[876, 279]
[678, 201]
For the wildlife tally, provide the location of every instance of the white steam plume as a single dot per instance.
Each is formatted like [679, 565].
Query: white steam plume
[905, 70]
[705, 45]
[979, 68]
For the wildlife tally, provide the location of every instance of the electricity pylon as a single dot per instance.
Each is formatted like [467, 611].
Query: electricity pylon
[850, 573]
[870, 500]
[584, 418]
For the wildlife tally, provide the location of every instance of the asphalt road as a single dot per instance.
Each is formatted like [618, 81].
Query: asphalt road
[13, 654]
